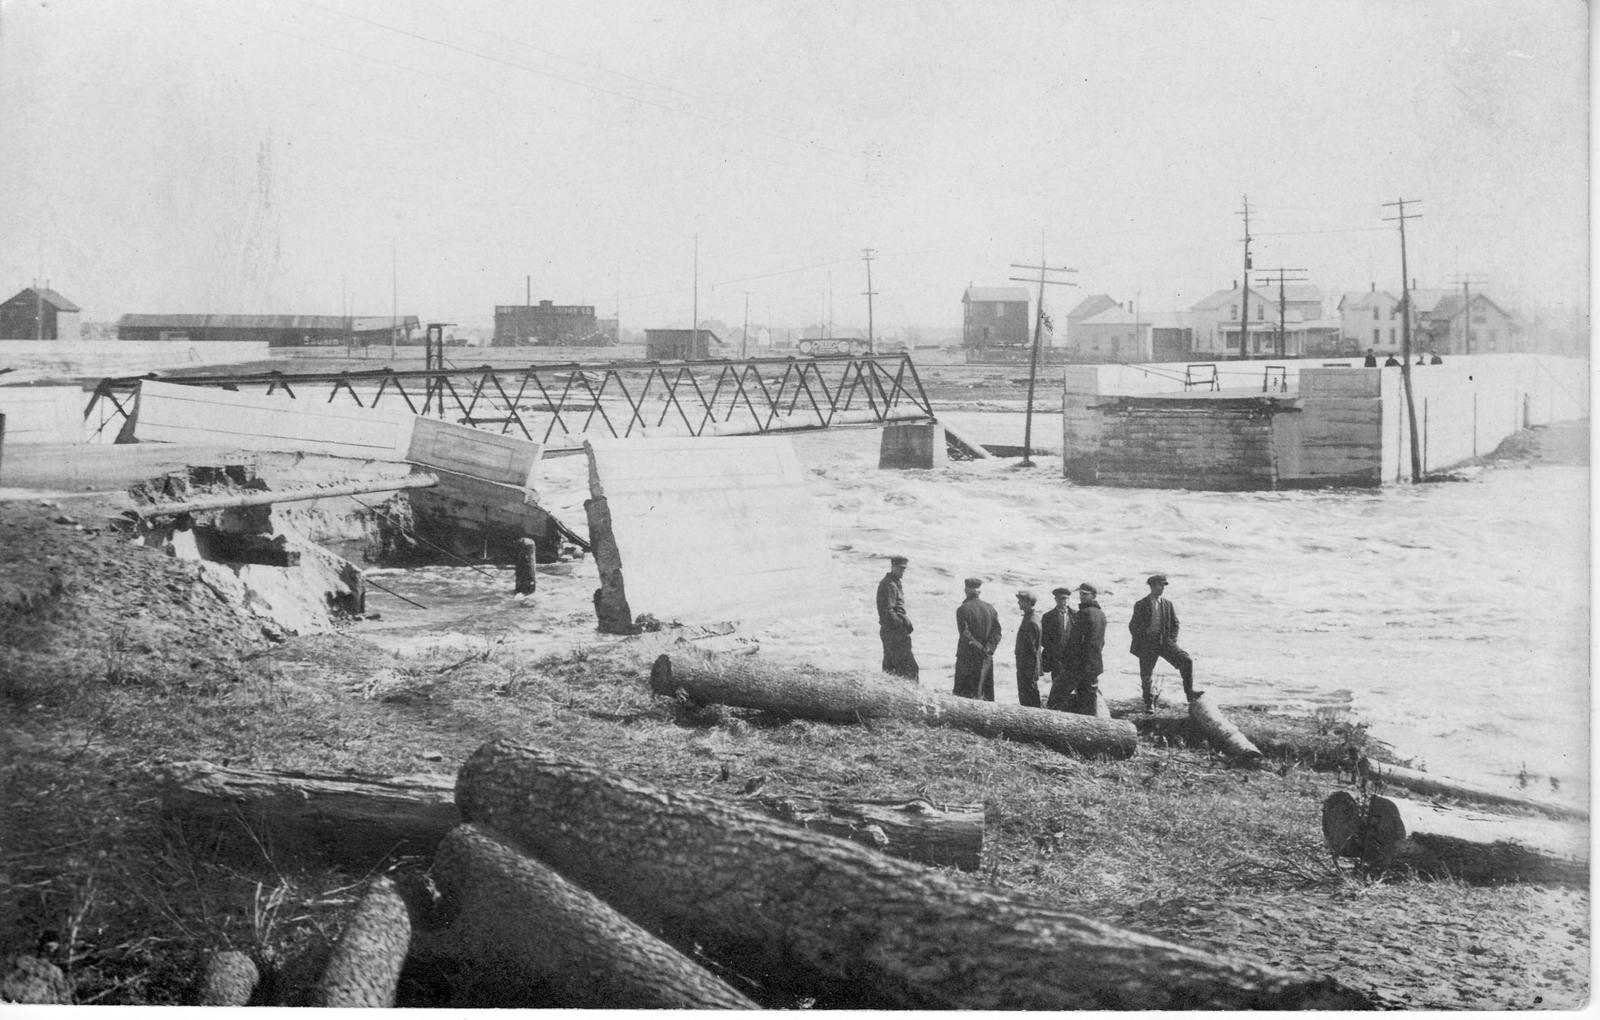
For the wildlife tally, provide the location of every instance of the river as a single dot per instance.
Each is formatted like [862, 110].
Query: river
[1453, 618]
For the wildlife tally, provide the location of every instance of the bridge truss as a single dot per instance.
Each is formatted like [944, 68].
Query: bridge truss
[557, 405]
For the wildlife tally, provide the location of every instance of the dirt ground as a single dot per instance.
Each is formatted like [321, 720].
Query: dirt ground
[115, 659]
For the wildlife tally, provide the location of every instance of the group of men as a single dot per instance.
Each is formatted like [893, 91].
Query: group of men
[1065, 642]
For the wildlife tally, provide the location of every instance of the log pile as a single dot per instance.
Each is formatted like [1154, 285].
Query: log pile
[1392, 834]
[851, 698]
[805, 914]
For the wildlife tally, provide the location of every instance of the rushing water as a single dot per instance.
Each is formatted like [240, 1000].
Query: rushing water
[1452, 617]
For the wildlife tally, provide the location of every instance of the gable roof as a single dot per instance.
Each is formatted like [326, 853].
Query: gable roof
[48, 296]
[995, 294]
[1092, 305]
[1116, 315]
[1222, 297]
[1365, 298]
[1425, 299]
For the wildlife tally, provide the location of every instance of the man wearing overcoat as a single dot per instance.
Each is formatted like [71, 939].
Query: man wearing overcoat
[978, 631]
[894, 626]
[1055, 630]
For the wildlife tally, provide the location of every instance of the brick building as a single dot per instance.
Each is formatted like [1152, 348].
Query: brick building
[549, 325]
[995, 317]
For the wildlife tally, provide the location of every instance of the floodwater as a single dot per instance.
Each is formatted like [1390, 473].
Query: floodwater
[1451, 617]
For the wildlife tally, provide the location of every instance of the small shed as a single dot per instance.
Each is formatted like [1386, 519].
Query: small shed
[680, 344]
[39, 313]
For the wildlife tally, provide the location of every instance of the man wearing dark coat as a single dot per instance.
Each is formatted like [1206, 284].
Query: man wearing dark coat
[978, 627]
[1027, 652]
[1084, 662]
[1055, 630]
[894, 626]
[1155, 636]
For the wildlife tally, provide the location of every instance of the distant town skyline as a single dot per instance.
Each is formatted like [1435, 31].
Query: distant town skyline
[410, 156]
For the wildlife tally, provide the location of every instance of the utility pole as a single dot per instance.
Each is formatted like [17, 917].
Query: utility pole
[1038, 323]
[1466, 281]
[866, 256]
[744, 338]
[694, 335]
[394, 294]
[1283, 301]
[1244, 290]
[1405, 330]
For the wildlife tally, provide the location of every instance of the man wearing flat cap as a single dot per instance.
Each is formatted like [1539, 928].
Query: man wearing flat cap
[1055, 631]
[894, 626]
[1155, 636]
[1027, 652]
[1084, 662]
[978, 627]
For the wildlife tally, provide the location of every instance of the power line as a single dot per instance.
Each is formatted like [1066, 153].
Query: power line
[1405, 330]
[1283, 278]
[1038, 323]
[866, 256]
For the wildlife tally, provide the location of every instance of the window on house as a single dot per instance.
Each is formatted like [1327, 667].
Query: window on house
[1233, 311]
[1375, 333]
[1259, 313]
[1494, 339]
[1391, 334]
[1374, 313]
[1394, 313]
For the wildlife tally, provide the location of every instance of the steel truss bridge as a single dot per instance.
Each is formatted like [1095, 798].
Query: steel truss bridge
[558, 404]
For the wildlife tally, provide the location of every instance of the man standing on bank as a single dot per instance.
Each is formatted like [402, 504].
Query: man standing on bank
[1055, 631]
[1155, 636]
[978, 627]
[1084, 662]
[894, 627]
[1027, 652]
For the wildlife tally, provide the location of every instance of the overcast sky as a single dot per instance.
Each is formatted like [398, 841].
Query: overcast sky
[301, 155]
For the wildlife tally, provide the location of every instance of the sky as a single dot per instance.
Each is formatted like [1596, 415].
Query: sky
[439, 158]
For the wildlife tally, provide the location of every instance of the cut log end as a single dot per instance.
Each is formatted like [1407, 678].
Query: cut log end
[1342, 819]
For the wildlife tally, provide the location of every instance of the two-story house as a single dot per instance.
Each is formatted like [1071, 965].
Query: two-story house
[995, 317]
[1446, 324]
[1216, 321]
[1371, 321]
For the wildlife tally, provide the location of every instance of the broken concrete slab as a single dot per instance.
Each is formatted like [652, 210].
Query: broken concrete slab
[169, 413]
[702, 530]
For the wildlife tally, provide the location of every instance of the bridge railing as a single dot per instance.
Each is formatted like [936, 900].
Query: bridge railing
[558, 404]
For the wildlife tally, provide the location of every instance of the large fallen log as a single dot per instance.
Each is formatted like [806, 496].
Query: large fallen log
[1472, 845]
[360, 821]
[807, 914]
[1430, 785]
[850, 698]
[1343, 820]
[229, 979]
[530, 938]
[913, 830]
[1221, 733]
[363, 972]
[351, 820]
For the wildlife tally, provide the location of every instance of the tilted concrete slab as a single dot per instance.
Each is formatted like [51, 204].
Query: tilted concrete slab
[704, 530]
[464, 449]
[169, 413]
[43, 414]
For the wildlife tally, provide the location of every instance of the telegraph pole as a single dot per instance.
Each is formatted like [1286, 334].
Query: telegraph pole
[744, 338]
[1405, 330]
[1038, 323]
[694, 336]
[1466, 282]
[1244, 290]
[866, 256]
[1283, 300]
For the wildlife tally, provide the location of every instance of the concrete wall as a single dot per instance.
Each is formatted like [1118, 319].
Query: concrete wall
[1336, 437]
[43, 414]
[913, 446]
[1217, 446]
[704, 530]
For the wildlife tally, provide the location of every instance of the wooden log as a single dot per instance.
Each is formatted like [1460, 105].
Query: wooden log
[361, 821]
[850, 698]
[1426, 783]
[229, 979]
[357, 821]
[1473, 846]
[1221, 733]
[913, 830]
[804, 913]
[1343, 818]
[533, 939]
[364, 968]
[525, 567]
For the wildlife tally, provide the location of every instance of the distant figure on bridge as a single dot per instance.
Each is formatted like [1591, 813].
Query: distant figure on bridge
[1055, 632]
[1372, 359]
[1028, 647]
[1389, 362]
[1436, 360]
[978, 635]
[1155, 636]
[894, 626]
[1084, 662]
